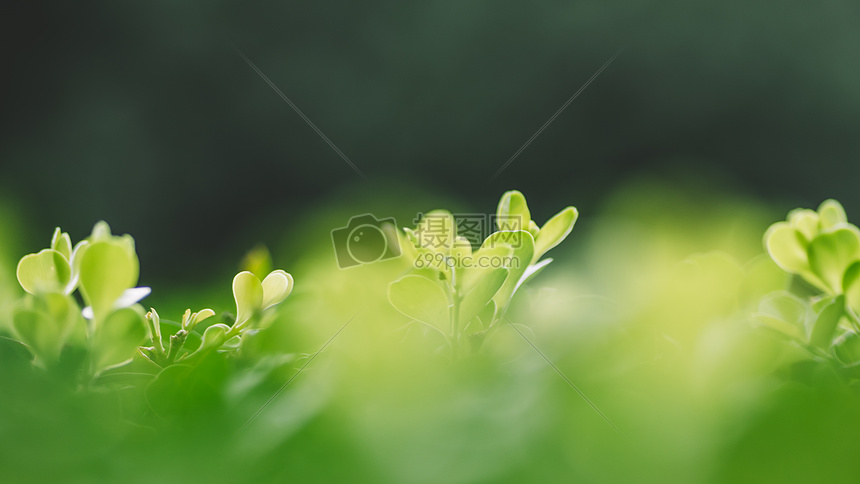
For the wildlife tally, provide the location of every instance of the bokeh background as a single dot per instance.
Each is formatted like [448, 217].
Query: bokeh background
[714, 120]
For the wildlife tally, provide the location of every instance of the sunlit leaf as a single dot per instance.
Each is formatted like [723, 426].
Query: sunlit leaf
[831, 214]
[46, 271]
[276, 287]
[248, 293]
[831, 253]
[555, 230]
[513, 213]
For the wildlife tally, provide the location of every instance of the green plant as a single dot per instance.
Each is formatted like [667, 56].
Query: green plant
[822, 250]
[465, 294]
[113, 328]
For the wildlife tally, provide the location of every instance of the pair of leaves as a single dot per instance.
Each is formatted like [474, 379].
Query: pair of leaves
[818, 246]
[252, 296]
[513, 215]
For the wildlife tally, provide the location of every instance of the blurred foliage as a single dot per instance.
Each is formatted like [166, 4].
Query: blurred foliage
[650, 317]
[715, 120]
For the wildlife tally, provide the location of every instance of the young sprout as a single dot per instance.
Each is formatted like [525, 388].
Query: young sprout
[464, 294]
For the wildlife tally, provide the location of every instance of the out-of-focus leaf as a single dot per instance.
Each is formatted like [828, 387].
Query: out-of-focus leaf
[847, 348]
[785, 313]
[436, 231]
[805, 221]
[523, 253]
[831, 214]
[826, 323]
[39, 332]
[117, 339]
[787, 248]
[421, 299]
[831, 253]
[481, 292]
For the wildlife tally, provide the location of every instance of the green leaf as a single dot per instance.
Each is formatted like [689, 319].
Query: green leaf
[787, 248]
[513, 213]
[215, 336]
[62, 243]
[488, 314]
[831, 253]
[476, 297]
[804, 221]
[39, 332]
[555, 230]
[258, 261]
[116, 340]
[826, 323]
[851, 286]
[248, 293]
[523, 246]
[46, 271]
[106, 271]
[532, 271]
[785, 313]
[276, 287]
[831, 214]
[422, 300]
[847, 348]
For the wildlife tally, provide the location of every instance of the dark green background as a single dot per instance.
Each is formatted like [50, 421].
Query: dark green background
[141, 113]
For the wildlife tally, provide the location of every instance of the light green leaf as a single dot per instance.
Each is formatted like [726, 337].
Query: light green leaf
[106, 271]
[523, 246]
[513, 213]
[39, 332]
[847, 348]
[476, 297]
[248, 293]
[258, 261]
[276, 287]
[421, 299]
[62, 243]
[804, 221]
[787, 248]
[831, 214]
[116, 340]
[826, 323]
[851, 286]
[215, 336]
[831, 253]
[532, 271]
[488, 314]
[785, 313]
[46, 271]
[555, 231]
